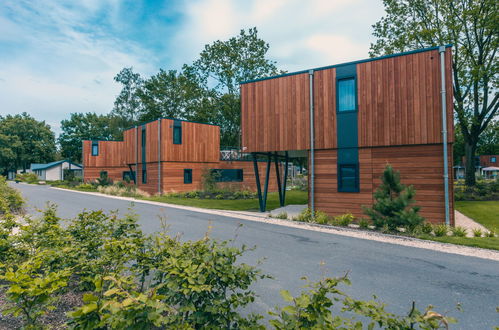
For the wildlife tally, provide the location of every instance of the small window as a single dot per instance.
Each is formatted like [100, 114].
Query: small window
[127, 176]
[492, 159]
[144, 176]
[187, 175]
[346, 94]
[228, 175]
[348, 178]
[95, 148]
[177, 132]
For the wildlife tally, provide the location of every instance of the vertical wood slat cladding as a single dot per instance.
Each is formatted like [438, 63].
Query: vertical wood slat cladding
[403, 107]
[275, 114]
[420, 166]
[399, 104]
[110, 154]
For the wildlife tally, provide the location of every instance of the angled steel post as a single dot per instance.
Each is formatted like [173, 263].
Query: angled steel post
[258, 187]
[285, 179]
[266, 188]
[278, 178]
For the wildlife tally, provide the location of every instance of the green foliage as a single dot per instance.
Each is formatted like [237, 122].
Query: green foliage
[459, 231]
[27, 141]
[103, 179]
[304, 216]
[11, 200]
[440, 230]
[282, 215]
[313, 309]
[32, 289]
[473, 30]
[344, 219]
[27, 177]
[477, 232]
[483, 190]
[426, 228]
[392, 207]
[209, 180]
[363, 223]
[491, 233]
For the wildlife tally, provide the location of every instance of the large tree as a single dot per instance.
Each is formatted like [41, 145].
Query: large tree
[84, 126]
[472, 27]
[222, 65]
[23, 141]
[127, 104]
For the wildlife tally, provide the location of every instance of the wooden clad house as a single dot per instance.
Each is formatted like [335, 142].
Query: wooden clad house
[168, 155]
[352, 119]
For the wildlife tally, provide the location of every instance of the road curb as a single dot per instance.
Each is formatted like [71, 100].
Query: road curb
[343, 231]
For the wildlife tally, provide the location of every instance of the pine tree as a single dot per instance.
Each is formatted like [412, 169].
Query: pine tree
[392, 207]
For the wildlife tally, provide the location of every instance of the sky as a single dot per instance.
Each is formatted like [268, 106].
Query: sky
[59, 57]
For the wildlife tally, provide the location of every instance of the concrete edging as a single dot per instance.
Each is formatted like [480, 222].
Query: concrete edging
[343, 231]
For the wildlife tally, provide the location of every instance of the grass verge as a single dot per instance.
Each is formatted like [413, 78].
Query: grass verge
[292, 197]
[491, 243]
[483, 212]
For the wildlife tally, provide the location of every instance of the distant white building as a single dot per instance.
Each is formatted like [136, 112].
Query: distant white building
[55, 170]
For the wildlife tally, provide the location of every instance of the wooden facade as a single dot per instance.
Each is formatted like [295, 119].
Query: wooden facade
[198, 151]
[397, 117]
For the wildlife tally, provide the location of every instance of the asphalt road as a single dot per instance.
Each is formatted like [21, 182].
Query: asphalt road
[396, 274]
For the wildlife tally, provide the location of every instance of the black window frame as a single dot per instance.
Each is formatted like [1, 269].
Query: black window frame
[144, 176]
[354, 78]
[219, 176]
[143, 143]
[341, 187]
[187, 175]
[177, 126]
[96, 145]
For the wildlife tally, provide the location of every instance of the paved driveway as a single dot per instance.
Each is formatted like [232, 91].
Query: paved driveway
[396, 274]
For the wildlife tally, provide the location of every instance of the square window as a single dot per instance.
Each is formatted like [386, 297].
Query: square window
[348, 178]
[492, 159]
[347, 97]
[187, 175]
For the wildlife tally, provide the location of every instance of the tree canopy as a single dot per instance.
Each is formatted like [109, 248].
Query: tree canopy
[472, 27]
[24, 140]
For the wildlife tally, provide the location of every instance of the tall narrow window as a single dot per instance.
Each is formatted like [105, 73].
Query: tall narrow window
[187, 175]
[143, 144]
[346, 94]
[95, 148]
[348, 178]
[144, 176]
[177, 132]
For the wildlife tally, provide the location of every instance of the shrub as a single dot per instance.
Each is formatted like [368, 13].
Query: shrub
[304, 216]
[393, 203]
[491, 233]
[364, 223]
[344, 219]
[209, 180]
[27, 177]
[477, 232]
[321, 217]
[426, 228]
[458, 231]
[440, 230]
[85, 186]
[483, 190]
[103, 179]
[11, 200]
[282, 215]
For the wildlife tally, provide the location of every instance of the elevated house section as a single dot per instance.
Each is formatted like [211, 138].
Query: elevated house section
[352, 119]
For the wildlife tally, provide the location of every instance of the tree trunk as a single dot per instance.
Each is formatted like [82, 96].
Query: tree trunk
[469, 154]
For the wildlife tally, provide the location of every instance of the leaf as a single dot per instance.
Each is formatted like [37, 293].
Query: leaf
[286, 295]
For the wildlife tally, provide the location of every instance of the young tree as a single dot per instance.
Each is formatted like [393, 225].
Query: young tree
[472, 27]
[32, 141]
[393, 205]
[84, 126]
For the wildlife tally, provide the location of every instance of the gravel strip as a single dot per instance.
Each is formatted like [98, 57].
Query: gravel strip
[350, 232]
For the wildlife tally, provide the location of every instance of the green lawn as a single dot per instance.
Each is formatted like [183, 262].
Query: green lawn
[486, 213]
[491, 243]
[292, 197]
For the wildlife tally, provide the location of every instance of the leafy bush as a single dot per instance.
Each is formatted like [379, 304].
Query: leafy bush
[426, 228]
[282, 215]
[363, 223]
[304, 216]
[392, 207]
[27, 177]
[344, 219]
[482, 191]
[313, 309]
[477, 232]
[321, 217]
[440, 230]
[458, 231]
[300, 182]
[491, 233]
[209, 181]
[11, 200]
[103, 179]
